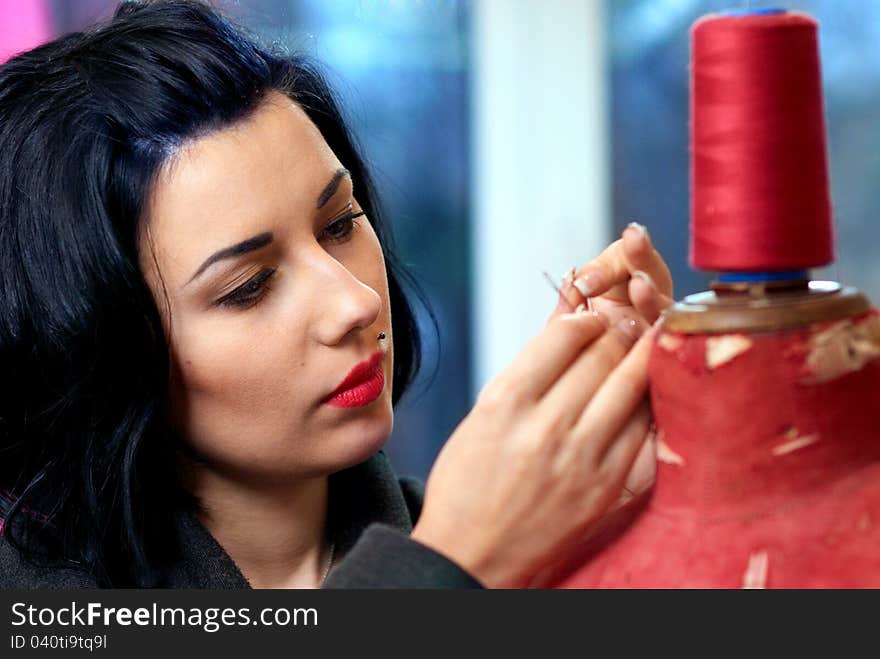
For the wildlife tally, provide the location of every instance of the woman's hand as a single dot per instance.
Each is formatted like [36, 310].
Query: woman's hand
[543, 454]
[628, 280]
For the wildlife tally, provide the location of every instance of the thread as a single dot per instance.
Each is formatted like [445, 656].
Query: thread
[759, 175]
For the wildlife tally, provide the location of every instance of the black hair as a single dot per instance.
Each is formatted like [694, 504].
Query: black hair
[87, 454]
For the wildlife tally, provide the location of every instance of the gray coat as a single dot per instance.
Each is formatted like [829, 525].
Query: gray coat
[371, 513]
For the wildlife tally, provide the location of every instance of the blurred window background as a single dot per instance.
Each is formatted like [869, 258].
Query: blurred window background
[514, 136]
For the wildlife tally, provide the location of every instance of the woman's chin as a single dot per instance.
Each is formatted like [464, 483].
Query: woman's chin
[361, 437]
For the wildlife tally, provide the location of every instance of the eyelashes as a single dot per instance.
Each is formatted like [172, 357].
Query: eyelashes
[341, 228]
[249, 294]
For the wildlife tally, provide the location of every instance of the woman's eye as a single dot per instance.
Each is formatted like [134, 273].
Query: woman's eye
[340, 230]
[249, 293]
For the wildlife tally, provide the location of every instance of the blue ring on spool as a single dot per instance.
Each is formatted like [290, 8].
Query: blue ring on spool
[751, 12]
[779, 275]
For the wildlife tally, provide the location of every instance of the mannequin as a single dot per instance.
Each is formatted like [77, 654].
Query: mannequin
[764, 391]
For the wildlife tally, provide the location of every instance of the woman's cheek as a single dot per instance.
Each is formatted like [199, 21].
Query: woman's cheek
[238, 405]
[235, 373]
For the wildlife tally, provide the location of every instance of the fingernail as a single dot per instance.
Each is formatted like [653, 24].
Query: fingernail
[631, 327]
[563, 303]
[645, 277]
[581, 308]
[639, 227]
[587, 284]
[569, 277]
[577, 313]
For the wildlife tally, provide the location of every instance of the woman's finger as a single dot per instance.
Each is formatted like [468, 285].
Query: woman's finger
[569, 298]
[616, 400]
[648, 302]
[566, 400]
[608, 273]
[633, 452]
[641, 256]
[545, 358]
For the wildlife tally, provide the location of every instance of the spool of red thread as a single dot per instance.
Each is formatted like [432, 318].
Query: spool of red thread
[759, 200]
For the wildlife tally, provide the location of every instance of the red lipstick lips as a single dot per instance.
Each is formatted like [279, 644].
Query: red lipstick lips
[361, 386]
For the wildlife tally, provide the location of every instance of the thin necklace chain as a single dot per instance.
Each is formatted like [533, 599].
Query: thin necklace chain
[329, 563]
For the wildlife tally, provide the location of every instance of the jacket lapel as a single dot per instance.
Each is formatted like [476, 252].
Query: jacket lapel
[365, 494]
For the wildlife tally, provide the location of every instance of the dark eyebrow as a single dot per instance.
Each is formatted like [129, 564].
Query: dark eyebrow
[264, 239]
[330, 189]
[238, 249]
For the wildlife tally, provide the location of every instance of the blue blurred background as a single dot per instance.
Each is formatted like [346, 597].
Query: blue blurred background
[515, 136]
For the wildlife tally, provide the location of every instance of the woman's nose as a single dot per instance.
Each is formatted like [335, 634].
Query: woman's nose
[343, 304]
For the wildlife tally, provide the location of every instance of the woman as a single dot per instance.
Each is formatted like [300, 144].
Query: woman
[204, 332]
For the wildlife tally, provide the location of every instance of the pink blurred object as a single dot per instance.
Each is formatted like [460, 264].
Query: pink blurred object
[24, 24]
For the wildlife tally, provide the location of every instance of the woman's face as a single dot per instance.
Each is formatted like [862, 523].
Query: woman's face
[274, 294]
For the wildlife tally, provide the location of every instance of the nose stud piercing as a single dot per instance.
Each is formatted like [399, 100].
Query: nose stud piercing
[381, 336]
